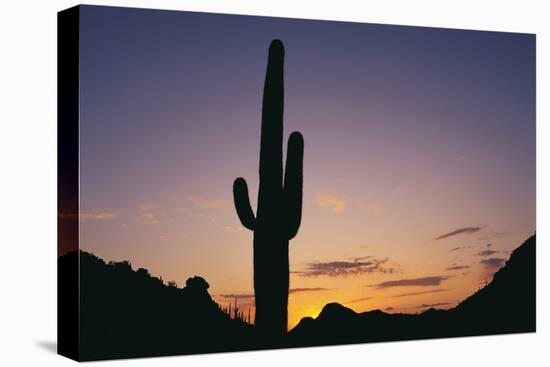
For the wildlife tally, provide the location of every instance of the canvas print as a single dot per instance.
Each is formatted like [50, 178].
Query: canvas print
[235, 183]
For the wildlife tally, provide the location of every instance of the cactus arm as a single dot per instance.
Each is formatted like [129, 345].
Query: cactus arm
[242, 204]
[271, 141]
[293, 183]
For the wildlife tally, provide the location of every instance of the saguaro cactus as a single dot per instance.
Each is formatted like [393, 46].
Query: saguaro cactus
[279, 210]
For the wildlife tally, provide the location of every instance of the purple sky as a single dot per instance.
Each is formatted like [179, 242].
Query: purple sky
[410, 133]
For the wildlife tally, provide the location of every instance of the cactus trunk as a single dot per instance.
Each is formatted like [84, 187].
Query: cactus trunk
[279, 209]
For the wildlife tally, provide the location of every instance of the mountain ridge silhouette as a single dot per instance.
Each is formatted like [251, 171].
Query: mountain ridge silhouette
[128, 313]
[505, 305]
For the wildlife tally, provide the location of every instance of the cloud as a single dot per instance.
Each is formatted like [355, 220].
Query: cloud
[486, 253]
[89, 215]
[414, 282]
[237, 295]
[148, 213]
[423, 305]
[98, 216]
[427, 305]
[328, 200]
[345, 268]
[243, 296]
[206, 203]
[410, 294]
[146, 207]
[233, 228]
[361, 258]
[357, 300]
[456, 232]
[296, 290]
[494, 262]
[149, 218]
[490, 266]
[458, 267]
[459, 248]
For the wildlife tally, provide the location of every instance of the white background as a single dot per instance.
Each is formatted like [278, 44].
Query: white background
[28, 182]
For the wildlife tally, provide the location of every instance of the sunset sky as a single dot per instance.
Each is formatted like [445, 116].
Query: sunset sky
[419, 167]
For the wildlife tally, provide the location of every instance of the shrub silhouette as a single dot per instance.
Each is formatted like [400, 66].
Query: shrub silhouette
[279, 210]
[125, 313]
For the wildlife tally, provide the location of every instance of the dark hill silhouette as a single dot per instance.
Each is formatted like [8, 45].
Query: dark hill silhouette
[126, 313]
[506, 305]
[129, 313]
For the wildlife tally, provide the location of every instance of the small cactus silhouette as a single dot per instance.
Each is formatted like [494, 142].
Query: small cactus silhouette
[279, 210]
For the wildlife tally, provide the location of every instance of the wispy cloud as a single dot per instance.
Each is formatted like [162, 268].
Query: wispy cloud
[412, 282]
[149, 218]
[360, 258]
[486, 253]
[146, 207]
[459, 248]
[457, 267]
[148, 213]
[429, 305]
[494, 262]
[98, 216]
[357, 300]
[456, 232]
[411, 294]
[491, 266]
[89, 215]
[243, 296]
[237, 295]
[209, 203]
[345, 268]
[421, 306]
[297, 290]
[233, 228]
[328, 200]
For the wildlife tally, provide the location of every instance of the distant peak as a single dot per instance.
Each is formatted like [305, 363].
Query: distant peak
[335, 310]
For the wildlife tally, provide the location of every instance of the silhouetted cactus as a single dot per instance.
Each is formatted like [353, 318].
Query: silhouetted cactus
[279, 210]
[236, 310]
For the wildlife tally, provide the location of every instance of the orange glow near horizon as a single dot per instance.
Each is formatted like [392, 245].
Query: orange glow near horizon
[439, 273]
[419, 174]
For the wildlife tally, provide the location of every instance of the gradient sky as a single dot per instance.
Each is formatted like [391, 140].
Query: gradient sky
[411, 134]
